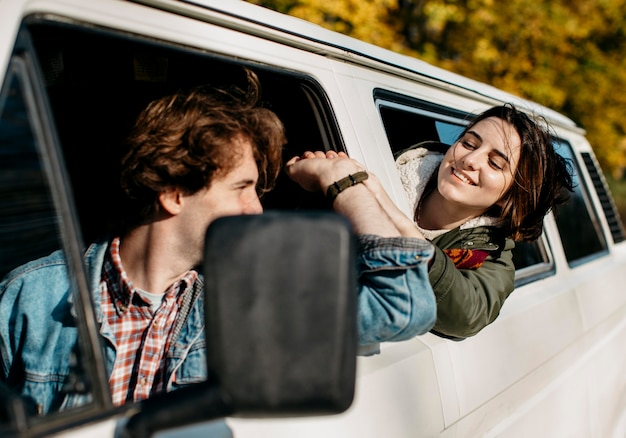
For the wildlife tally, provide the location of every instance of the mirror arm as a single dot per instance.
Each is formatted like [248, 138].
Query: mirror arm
[196, 403]
[13, 408]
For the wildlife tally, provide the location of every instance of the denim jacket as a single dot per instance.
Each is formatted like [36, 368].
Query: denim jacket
[395, 299]
[38, 332]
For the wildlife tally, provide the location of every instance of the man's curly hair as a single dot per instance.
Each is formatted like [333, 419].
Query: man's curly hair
[185, 140]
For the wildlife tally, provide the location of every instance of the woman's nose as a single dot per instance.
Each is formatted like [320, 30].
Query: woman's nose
[471, 160]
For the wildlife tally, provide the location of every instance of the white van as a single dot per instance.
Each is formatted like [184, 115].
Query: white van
[73, 76]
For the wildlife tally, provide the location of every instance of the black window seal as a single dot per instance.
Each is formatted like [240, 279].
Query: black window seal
[381, 96]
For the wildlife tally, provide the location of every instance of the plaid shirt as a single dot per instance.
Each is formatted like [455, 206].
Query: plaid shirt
[142, 336]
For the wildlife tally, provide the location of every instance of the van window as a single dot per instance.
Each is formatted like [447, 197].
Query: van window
[98, 80]
[577, 220]
[407, 126]
[411, 122]
[94, 82]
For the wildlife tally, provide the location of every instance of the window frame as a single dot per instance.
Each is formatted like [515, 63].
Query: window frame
[23, 64]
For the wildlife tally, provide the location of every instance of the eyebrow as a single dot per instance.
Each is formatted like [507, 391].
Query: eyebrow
[496, 151]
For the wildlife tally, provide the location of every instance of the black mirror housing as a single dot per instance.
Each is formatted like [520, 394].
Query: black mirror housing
[280, 312]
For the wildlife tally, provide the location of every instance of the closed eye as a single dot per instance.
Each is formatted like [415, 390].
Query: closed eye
[468, 145]
[242, 185]
[499, 160]
[495, 164]
[471, 140]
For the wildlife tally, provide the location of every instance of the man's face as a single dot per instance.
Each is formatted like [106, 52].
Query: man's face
[229, 194]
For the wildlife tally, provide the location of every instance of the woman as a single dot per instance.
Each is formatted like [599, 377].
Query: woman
[492, 187]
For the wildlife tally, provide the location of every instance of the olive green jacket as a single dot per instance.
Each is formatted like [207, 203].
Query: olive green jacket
[470, 299]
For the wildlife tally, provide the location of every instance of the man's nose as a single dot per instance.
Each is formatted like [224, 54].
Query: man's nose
[253, 206]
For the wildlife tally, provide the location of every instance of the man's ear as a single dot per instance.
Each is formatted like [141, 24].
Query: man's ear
[171, 201]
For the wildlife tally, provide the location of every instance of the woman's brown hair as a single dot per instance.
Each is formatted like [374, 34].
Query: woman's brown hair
[541, 180]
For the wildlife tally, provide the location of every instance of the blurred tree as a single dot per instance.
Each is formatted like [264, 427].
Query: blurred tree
[565, 54]
[369, 20]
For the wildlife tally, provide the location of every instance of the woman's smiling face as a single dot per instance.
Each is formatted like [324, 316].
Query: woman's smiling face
[478, 169]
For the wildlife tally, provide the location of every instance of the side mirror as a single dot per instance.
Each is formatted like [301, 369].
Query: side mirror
[281, 312]
[280, 320]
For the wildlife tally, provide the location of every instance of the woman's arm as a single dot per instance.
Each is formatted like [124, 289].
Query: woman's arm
[404, 225]
[468, 300]
[316, 171]
[370, 211]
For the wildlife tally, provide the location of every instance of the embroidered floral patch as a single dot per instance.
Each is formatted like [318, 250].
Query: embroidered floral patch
[467, 258]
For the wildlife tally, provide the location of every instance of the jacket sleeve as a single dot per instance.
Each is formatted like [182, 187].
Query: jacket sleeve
[34, 318]
[470, 299]
[395, 299]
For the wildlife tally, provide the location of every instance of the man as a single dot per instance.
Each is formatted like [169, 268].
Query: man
[192, 157]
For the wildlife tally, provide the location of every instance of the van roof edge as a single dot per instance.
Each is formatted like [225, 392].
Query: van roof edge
[344, 47]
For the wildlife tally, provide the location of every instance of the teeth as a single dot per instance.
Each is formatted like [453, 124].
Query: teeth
[462, 178]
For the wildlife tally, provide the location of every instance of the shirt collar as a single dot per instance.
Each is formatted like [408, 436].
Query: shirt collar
[121, 287]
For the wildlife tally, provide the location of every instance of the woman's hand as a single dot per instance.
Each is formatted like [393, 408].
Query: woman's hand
[367, 205]
[315, 171]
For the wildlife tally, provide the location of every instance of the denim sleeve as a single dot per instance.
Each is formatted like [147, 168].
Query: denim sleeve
[395, 299]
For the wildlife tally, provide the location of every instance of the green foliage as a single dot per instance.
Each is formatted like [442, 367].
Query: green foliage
[565, 54]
